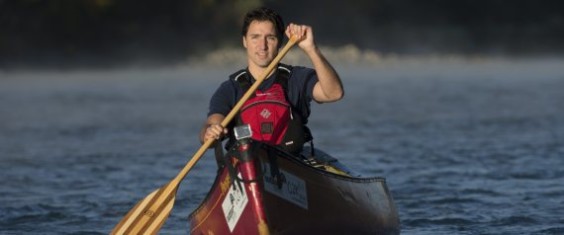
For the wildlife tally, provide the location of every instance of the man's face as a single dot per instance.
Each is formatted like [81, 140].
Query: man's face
[261, 43]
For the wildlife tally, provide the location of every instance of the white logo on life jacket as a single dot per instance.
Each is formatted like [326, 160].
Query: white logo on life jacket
[265, 113]
[267, 93]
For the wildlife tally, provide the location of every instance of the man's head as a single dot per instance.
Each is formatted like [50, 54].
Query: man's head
[265, 14]
[263, 31]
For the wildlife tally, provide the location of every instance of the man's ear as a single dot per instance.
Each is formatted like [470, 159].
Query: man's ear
[244, 41]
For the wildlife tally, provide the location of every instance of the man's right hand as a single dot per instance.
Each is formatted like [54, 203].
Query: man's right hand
[214, 131]
[212, 128]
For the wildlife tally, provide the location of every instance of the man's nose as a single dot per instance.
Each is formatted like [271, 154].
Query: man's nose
[263, 44]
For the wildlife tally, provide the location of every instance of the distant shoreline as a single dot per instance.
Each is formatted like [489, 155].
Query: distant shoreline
[344, 55]
[351, 55]
[348, 56]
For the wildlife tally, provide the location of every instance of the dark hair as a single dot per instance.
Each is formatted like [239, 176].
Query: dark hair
[265, 14]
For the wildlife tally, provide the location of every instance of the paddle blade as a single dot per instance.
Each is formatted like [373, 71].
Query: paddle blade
[149, 214]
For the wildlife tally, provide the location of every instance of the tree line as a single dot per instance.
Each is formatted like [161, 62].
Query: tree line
[67, 33]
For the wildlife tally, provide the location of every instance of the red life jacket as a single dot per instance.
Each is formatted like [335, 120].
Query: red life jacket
[270, 114]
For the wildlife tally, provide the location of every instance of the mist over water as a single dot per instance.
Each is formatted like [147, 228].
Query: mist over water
[467, 146]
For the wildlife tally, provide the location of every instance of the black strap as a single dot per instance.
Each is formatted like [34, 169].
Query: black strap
[219, 156]
[283, 75]
[274, 169]
[232, 169]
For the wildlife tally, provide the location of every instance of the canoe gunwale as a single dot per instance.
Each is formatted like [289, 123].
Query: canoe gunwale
[299, 161]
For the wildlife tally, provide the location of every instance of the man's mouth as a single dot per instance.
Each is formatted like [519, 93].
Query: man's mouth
[262, 54]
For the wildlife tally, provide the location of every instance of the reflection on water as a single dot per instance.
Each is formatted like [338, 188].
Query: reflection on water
[467, 147]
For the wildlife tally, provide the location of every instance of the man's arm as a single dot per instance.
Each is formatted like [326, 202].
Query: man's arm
[329, 88]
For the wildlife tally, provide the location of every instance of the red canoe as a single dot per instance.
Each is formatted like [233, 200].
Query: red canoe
[267, 191]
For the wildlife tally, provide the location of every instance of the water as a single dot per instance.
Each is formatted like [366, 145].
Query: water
[467, 147]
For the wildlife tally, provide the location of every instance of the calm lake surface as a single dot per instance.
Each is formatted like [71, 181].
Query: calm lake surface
[467, 146]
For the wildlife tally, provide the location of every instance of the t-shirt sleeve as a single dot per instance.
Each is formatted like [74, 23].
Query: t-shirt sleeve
[222, 100]
[303, 80]
[311, 80]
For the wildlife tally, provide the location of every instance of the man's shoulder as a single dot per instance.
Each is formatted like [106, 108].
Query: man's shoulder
[285, 67]
[301, 73]
[297, 69]
[236, 75]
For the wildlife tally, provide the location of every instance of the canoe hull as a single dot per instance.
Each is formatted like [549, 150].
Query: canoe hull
[284, 195]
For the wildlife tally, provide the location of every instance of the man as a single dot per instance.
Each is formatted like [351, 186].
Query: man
[262, 33]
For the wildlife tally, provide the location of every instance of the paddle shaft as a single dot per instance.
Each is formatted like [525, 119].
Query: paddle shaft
[150, 213]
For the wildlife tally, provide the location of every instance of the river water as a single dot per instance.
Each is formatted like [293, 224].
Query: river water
[467, 146]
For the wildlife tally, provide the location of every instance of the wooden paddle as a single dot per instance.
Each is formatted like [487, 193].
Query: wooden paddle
[149, 214]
